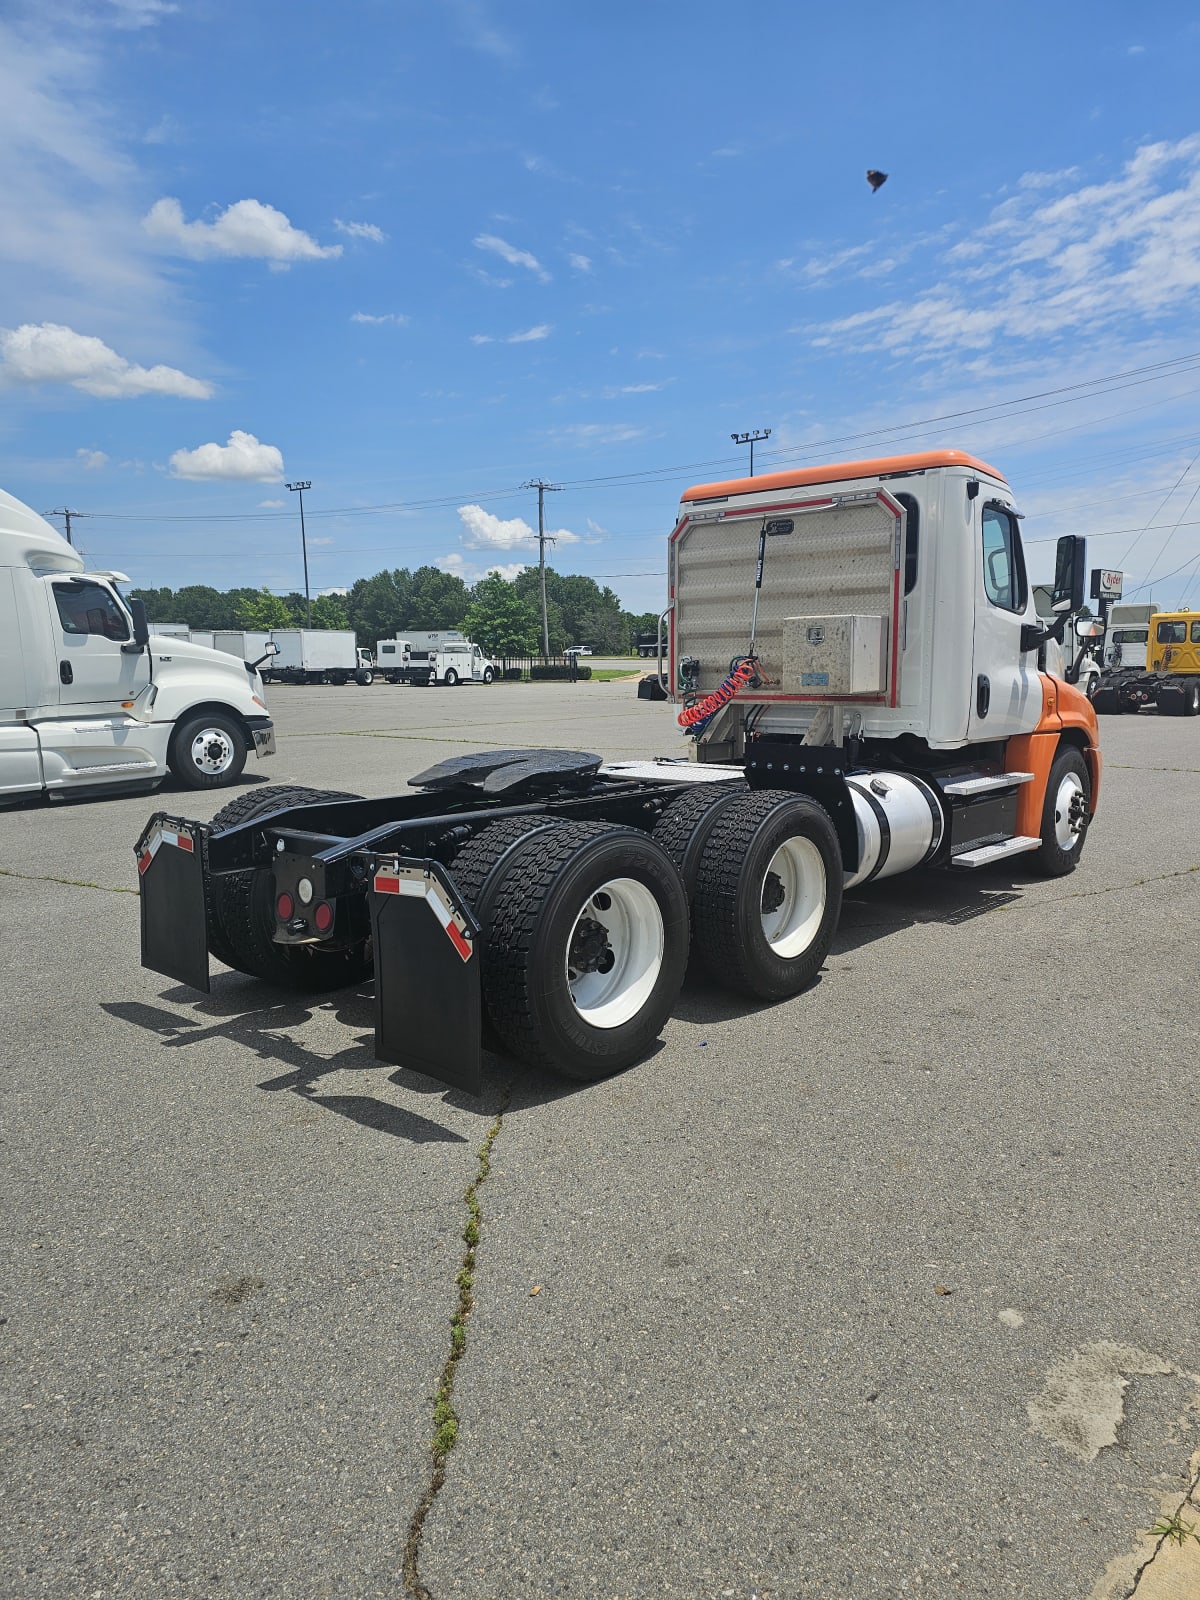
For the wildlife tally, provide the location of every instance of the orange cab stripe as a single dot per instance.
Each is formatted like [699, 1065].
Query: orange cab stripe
[838, 470]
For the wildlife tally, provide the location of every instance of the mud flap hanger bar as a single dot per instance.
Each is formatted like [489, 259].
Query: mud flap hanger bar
[428, 1006]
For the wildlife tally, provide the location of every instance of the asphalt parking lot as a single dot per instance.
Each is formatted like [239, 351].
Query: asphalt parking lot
[842, 1296]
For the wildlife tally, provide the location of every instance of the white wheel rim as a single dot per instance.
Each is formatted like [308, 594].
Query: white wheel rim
[799, 870]
[634, 940]
[212, 752]
[1064, 832]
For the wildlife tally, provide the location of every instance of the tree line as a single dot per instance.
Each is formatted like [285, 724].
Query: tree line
[503, 616]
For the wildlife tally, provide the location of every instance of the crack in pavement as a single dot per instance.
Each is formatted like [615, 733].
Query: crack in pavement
[71, 883]
[445, 1418]
[1166, 1535]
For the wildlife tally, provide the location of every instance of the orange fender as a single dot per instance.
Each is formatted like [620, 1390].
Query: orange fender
[1063, 707]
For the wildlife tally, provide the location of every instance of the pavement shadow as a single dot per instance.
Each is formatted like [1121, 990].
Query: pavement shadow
[266, 1026]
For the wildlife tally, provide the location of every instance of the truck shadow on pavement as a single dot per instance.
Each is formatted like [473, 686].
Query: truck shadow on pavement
[267, 1029]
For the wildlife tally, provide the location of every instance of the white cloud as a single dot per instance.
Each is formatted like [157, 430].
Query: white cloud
[387, 316]
[271, 505]
[483, 531]
[360, 230]
[510, 253]
[458, 565]
[93, 460]
[334, 590]
[246, 228]
[242, 460]
[580, 263]
[1095, 257]
[140, 13]
[600, 433]
[48, 352]
[527, 336]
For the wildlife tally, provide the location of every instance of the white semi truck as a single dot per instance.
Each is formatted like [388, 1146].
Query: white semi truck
[90, 702]
[854, 650]
[319, 655]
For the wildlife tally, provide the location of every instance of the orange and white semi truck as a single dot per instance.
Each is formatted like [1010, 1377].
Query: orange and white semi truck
[854, 653]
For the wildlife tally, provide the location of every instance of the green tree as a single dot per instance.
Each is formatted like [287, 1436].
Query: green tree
[201, 606]
[329, 611]
[261, 612]
[379, 607]
[160, 604]
[500, 620]
[439, 599]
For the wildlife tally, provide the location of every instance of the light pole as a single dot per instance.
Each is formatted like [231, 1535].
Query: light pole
[750, 438]
[299, 488]
[541, 487]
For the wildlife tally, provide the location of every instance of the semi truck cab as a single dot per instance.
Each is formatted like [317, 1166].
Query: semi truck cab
[89, 701]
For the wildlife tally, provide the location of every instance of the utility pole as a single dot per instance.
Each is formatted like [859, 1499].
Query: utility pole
[541, 487]
[66, 516]
[299, 488]
[750, 438]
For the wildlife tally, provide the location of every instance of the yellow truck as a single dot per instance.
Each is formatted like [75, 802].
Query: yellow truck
[1170, 680]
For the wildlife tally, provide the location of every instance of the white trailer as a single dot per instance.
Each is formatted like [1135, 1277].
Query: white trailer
[90, 701]
[854, 649]
[202, 636]
[247, 644]
[168, 630]
[319, 655]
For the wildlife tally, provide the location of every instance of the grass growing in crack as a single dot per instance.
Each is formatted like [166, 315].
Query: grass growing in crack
[1175, 1530]
[445, 1418]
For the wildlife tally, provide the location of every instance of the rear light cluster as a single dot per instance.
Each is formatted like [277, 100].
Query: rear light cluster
[322, 913]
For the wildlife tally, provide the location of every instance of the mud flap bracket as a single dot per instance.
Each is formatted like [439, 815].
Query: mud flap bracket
[427, 988]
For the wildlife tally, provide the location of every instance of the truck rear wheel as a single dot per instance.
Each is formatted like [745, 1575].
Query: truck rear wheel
[1064, 814]
[768, 894]
[208, 750]
[685, 825]
[451, 678]
[364, 677]
[241, 909]
[586, 948]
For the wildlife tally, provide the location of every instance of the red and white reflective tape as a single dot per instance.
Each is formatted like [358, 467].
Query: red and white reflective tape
[181, 841]
[426, 889]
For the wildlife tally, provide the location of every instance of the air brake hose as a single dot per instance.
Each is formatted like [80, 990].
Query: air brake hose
[695, 717]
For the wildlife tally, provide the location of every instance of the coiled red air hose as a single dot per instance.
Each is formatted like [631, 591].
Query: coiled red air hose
[742, 675]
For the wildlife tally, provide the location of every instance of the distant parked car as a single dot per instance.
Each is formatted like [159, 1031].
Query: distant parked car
[577, 650]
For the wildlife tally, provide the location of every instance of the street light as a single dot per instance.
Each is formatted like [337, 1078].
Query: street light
[299, 488]
[749, 438]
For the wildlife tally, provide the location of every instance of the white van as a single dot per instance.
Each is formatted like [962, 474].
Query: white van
[89, 701]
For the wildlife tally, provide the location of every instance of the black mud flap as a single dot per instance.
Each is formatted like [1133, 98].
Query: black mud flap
[427, 987]
[170, 859]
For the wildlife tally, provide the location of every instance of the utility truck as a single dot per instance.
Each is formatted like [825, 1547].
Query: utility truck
[854, 653]
[319, 655]
[90, 701]
[431, 658]
[1155, 663]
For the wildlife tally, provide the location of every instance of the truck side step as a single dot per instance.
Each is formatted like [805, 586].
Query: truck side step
[1004, 780]
[987, 853]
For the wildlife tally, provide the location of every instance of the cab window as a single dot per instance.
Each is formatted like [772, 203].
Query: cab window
[1131, 636]
[1004, 580]
[912, 539]
[90, 608]
[1172, 633]
[1196, 632]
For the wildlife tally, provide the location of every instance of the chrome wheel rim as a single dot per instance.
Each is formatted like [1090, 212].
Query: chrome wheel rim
[615, 953]
[1068, 809]
[792, 898]
[213, 752]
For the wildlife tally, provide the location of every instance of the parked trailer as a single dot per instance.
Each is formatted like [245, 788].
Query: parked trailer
[319, 655]
[560, 897]
[247, 644]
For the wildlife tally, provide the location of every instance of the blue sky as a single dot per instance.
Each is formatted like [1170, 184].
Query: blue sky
[420, 253]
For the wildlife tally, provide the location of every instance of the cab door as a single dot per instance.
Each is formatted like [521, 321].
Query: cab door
[89, 625]
[1006, 690]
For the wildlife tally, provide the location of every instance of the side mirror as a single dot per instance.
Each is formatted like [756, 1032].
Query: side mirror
[141, 628]
[1069, 573]
[1089, 628]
